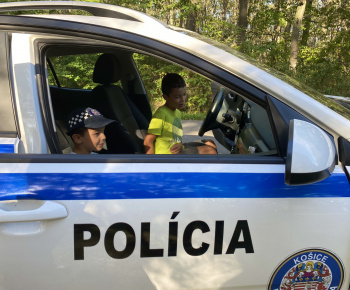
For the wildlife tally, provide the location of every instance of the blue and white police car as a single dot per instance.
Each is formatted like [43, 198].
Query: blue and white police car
[273, 213]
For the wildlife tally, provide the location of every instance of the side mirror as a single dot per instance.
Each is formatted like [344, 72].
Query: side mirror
[311, 154]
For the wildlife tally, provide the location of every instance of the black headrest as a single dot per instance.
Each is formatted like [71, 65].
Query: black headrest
[107, 69]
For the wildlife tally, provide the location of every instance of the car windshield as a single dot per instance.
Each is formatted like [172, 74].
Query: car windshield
[327, 101]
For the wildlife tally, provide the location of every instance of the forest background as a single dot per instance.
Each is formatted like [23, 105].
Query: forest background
[306, 39]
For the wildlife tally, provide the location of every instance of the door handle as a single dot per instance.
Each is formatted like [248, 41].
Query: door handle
[48, 211]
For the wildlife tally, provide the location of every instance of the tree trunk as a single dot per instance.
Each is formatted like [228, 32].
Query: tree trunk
[295, 35]
[181, 18]
[307, 21]
[224, 9]
[191, 21]
[242, 20]
[192, 16]
[277, 28]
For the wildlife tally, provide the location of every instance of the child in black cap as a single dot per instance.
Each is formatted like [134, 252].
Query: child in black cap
[86, 128]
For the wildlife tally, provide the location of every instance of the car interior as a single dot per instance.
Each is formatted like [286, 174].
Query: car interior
[116, 90]
[239, 124]
[131, 109]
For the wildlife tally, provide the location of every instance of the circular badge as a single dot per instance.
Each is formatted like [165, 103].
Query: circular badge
[95, 112]
[310, 269]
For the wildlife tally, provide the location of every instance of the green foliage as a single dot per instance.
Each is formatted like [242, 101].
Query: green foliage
[152, 70]
[74, 71]
[192, 116]
[327, 68]
[198, 91]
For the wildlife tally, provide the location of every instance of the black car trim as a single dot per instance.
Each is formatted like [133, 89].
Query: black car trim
[289, 150]
[273, 126]
[344, 151]
[282, 115]
[139, 158]
[307, 178]
[46, 109]
[344, 155]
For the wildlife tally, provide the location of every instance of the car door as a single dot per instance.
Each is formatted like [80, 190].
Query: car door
[166, 222]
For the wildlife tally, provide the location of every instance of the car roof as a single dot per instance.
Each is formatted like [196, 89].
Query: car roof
[96, 9]
[141, 24]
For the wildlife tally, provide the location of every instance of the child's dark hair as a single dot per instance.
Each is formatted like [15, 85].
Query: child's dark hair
[80, 131]
[171, 81]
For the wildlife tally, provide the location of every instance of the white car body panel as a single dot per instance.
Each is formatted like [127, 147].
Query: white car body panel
[291, 219]
[26, 94]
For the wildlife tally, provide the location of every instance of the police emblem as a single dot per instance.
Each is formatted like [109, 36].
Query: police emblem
[310, 269]
[95, 112]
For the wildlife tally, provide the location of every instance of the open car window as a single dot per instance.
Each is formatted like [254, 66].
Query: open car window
[125, 86]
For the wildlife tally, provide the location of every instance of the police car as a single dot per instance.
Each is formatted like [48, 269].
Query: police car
[273, 213]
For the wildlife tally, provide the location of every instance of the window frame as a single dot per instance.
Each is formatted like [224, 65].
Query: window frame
[8, 124]
[49, 46]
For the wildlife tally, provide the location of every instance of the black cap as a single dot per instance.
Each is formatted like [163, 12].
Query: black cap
[86, 117]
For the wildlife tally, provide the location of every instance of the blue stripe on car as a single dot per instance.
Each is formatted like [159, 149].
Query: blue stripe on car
[93, 186]
[7, 148]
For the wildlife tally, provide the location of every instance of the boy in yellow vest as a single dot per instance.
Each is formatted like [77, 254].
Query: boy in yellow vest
[165, 130]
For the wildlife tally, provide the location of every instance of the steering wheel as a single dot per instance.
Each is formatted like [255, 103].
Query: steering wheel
[210, 123]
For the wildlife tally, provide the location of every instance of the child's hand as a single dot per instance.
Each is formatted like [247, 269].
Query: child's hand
[176, 148]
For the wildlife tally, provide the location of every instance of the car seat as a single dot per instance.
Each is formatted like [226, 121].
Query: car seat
[64, 102]
[113, 102]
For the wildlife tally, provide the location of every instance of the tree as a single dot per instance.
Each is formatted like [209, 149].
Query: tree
[192, 15]
[307, 21]
[242, 20]
[295, 35]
